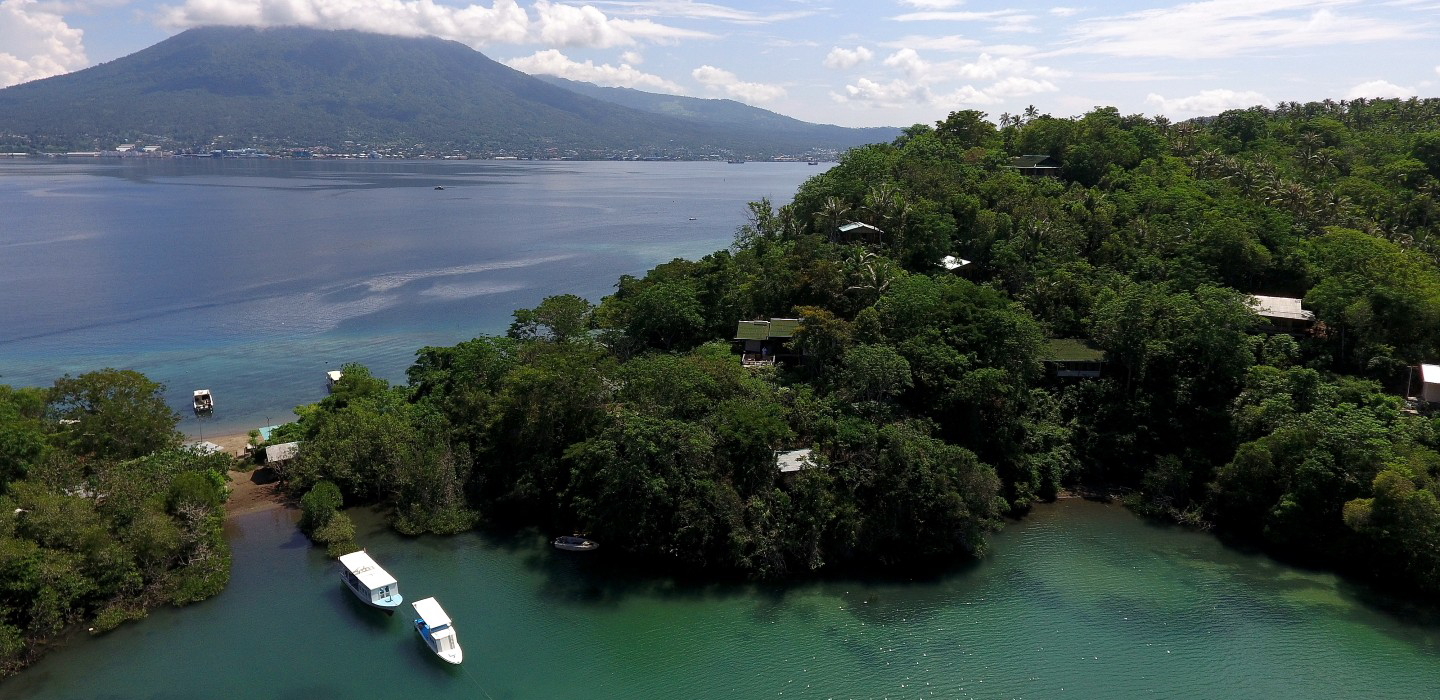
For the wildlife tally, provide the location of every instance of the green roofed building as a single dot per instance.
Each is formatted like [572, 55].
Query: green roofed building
[763, 342]
[1074, 357]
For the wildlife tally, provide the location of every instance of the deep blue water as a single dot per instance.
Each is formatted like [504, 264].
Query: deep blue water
[252, 278]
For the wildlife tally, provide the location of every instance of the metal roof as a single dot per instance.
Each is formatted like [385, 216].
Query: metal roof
[794, 460]
[365, 569]
[281, 452]
[1072, 350]
[430, 611]
[205, 447]
[1280, 307]
[847, 228]
[953, 263]
[783, 327]
[752, 330]
[1430, 374]
[1034, 161]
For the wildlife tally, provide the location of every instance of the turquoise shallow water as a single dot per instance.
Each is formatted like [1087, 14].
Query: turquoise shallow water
[1080, 600]
[254, 277]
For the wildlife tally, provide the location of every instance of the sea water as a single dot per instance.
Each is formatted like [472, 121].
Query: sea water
[1079, 600]
[252, 278]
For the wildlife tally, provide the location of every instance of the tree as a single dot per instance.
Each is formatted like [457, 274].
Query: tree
[113, 414]
[558, 318]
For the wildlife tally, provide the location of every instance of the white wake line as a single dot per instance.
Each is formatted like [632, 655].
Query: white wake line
[387, 282]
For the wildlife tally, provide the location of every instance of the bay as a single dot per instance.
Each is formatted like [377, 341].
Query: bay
[252, 278]
[1080, 600]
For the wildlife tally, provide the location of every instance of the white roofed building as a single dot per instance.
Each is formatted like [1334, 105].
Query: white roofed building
[794, 460]
[1283, 314]
[1430, 383]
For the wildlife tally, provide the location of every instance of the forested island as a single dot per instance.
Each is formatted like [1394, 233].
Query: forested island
[928, 393]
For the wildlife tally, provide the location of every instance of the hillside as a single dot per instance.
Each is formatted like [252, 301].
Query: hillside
[729, 112]
[304, 87]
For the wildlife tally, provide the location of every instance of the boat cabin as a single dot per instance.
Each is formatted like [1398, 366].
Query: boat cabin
[370, 583]
[204, 402]
[435, 628]
[331, 377]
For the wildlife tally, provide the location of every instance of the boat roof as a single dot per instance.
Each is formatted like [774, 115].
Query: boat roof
[202, 392]
[365, 569]
[334, 375]
[431, 612]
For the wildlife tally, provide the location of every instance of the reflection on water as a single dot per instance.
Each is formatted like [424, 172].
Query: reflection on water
[1080, 600]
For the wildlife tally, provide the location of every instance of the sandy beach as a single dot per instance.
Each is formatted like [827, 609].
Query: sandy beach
[251, 491]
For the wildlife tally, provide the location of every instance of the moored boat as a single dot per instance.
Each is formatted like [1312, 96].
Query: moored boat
[204, 402]
[373, 585]
[575, 543]
[435, 628]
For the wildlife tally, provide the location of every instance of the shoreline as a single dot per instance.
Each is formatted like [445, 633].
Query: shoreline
[251, 491]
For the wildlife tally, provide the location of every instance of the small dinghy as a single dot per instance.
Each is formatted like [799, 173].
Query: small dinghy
[575, 543]
[371, 584]
[434, 627]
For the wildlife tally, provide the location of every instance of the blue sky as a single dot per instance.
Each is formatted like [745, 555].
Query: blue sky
[848, 62]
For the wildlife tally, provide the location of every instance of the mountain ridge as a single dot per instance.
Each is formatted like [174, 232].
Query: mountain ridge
[237, 87]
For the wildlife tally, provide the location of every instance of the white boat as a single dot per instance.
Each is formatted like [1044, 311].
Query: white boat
[204, 402]
[434, 627]
[331, 377]
[373, 585]
[575, 543]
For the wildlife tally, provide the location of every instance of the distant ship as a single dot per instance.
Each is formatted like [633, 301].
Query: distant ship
[371, 584]
[735, 160]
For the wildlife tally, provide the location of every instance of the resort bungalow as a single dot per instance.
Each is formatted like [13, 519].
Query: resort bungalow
[762, 342]
[1430, 383]
[1036, 166]
[1282, 314]
[280, 455]
[859, 231]
[794, 461]
[1074, 358]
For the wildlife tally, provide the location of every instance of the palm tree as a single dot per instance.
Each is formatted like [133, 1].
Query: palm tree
[831, 213]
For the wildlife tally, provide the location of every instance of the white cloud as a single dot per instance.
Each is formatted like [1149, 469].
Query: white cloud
[933, 4]
[503, 22]
[36, 43]
[896, 93]
[634, 58]
[1064, 11]
[1016, 86]
[956, 16]
[951, 43]
[1379, 88]
[552, 62]
[723, 81]
[1208, 102]
[845, 59]
[1437, 70]
[689, 9]
[908, 61]
[966, 96]
[1227, 28]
